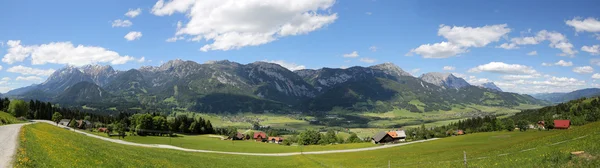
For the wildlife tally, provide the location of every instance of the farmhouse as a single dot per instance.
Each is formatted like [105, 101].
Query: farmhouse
[260, 136]
[64, 122]
[238, 136]
[460, 132]
[83, 124]
[541, 124]
[275, 139]
[398, 135]
[381, 138]
[562, 124]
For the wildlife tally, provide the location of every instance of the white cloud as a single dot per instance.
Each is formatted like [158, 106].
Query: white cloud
[449, 68]
[353, 54]
[141, 60]
[415, 71]
[503, 68]
[30, 71]
[473, 36]
[559, 63]
[121, 23]
[232, 24]
[459, 75]
[133, 35]
[532, 53]
[550, 84]
[473, 80]
[460, 39]
[438, 50]
[519, 77]
[16, 52]
[5, 79]
[564, 63]
[596, 76]
[288, 65]
[4, 89]
[373, 48]
[0, 67]
[174, 39]
[63, 53]
[557, 40]
[583, 69]
[28, 78]
[508, 46]
[586, 25]
[367, 60]
[593, 50]
[132, 13]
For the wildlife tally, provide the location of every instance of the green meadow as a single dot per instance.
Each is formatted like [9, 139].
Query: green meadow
[43, 145]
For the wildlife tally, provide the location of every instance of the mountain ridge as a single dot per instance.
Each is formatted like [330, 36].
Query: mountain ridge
[262, 86]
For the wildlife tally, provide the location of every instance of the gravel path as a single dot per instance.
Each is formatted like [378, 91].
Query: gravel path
[8, 143]
[235, 153]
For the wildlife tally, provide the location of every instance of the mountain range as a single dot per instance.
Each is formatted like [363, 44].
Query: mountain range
[564, 97]
[230, 87]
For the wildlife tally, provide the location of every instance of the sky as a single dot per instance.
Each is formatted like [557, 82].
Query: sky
[529, 46]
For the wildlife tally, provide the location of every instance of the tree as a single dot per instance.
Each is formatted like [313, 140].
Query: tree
[18, 108]
[88, 118]
[509, 125]
[56, 117]
[353, 138]
[523, 125]
[309, 137]
[330, 137]
[73, 124]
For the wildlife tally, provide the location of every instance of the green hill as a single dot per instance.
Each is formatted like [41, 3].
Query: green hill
[44, 145]
[6, 118]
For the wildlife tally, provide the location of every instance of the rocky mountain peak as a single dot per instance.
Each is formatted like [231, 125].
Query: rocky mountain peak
[444, 79]
[492, 86]
[391, 69]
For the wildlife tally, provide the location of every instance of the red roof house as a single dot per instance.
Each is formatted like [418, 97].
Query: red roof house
[259, 136]
[562, 124]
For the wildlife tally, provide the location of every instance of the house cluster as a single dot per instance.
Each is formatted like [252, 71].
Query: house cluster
[80, 124]
[258, 137]
[558, 124]
[389, 137]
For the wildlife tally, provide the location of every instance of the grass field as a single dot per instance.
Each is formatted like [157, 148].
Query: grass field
[6, 118]
[211, 143]
[43, 145]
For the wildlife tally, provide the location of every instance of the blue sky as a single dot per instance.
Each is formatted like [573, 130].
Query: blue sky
[467, 37]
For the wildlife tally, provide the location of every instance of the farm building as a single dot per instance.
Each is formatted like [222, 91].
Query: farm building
[460, 132]
[275, 139]
[83, 124]
[103, 130]
[562, 124]
[238, 136]
[541, 124]
[260, 136]
[64, 122]
[398, 135]
[381, 138]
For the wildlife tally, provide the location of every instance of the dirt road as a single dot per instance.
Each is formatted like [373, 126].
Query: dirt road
[9, 135]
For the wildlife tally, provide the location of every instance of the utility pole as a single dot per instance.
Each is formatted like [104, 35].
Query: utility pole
[465, 157]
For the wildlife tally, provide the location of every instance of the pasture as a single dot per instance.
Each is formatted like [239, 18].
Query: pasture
[43, 145]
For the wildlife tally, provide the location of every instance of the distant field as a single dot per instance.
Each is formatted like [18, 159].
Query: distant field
[206, 142]
[43, 145]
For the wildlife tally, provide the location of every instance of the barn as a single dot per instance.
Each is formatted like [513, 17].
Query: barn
[562, 124]
[381, 138]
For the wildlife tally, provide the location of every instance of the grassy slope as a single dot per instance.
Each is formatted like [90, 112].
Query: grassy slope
[53, 147]
[6, 118]
[210, 143]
